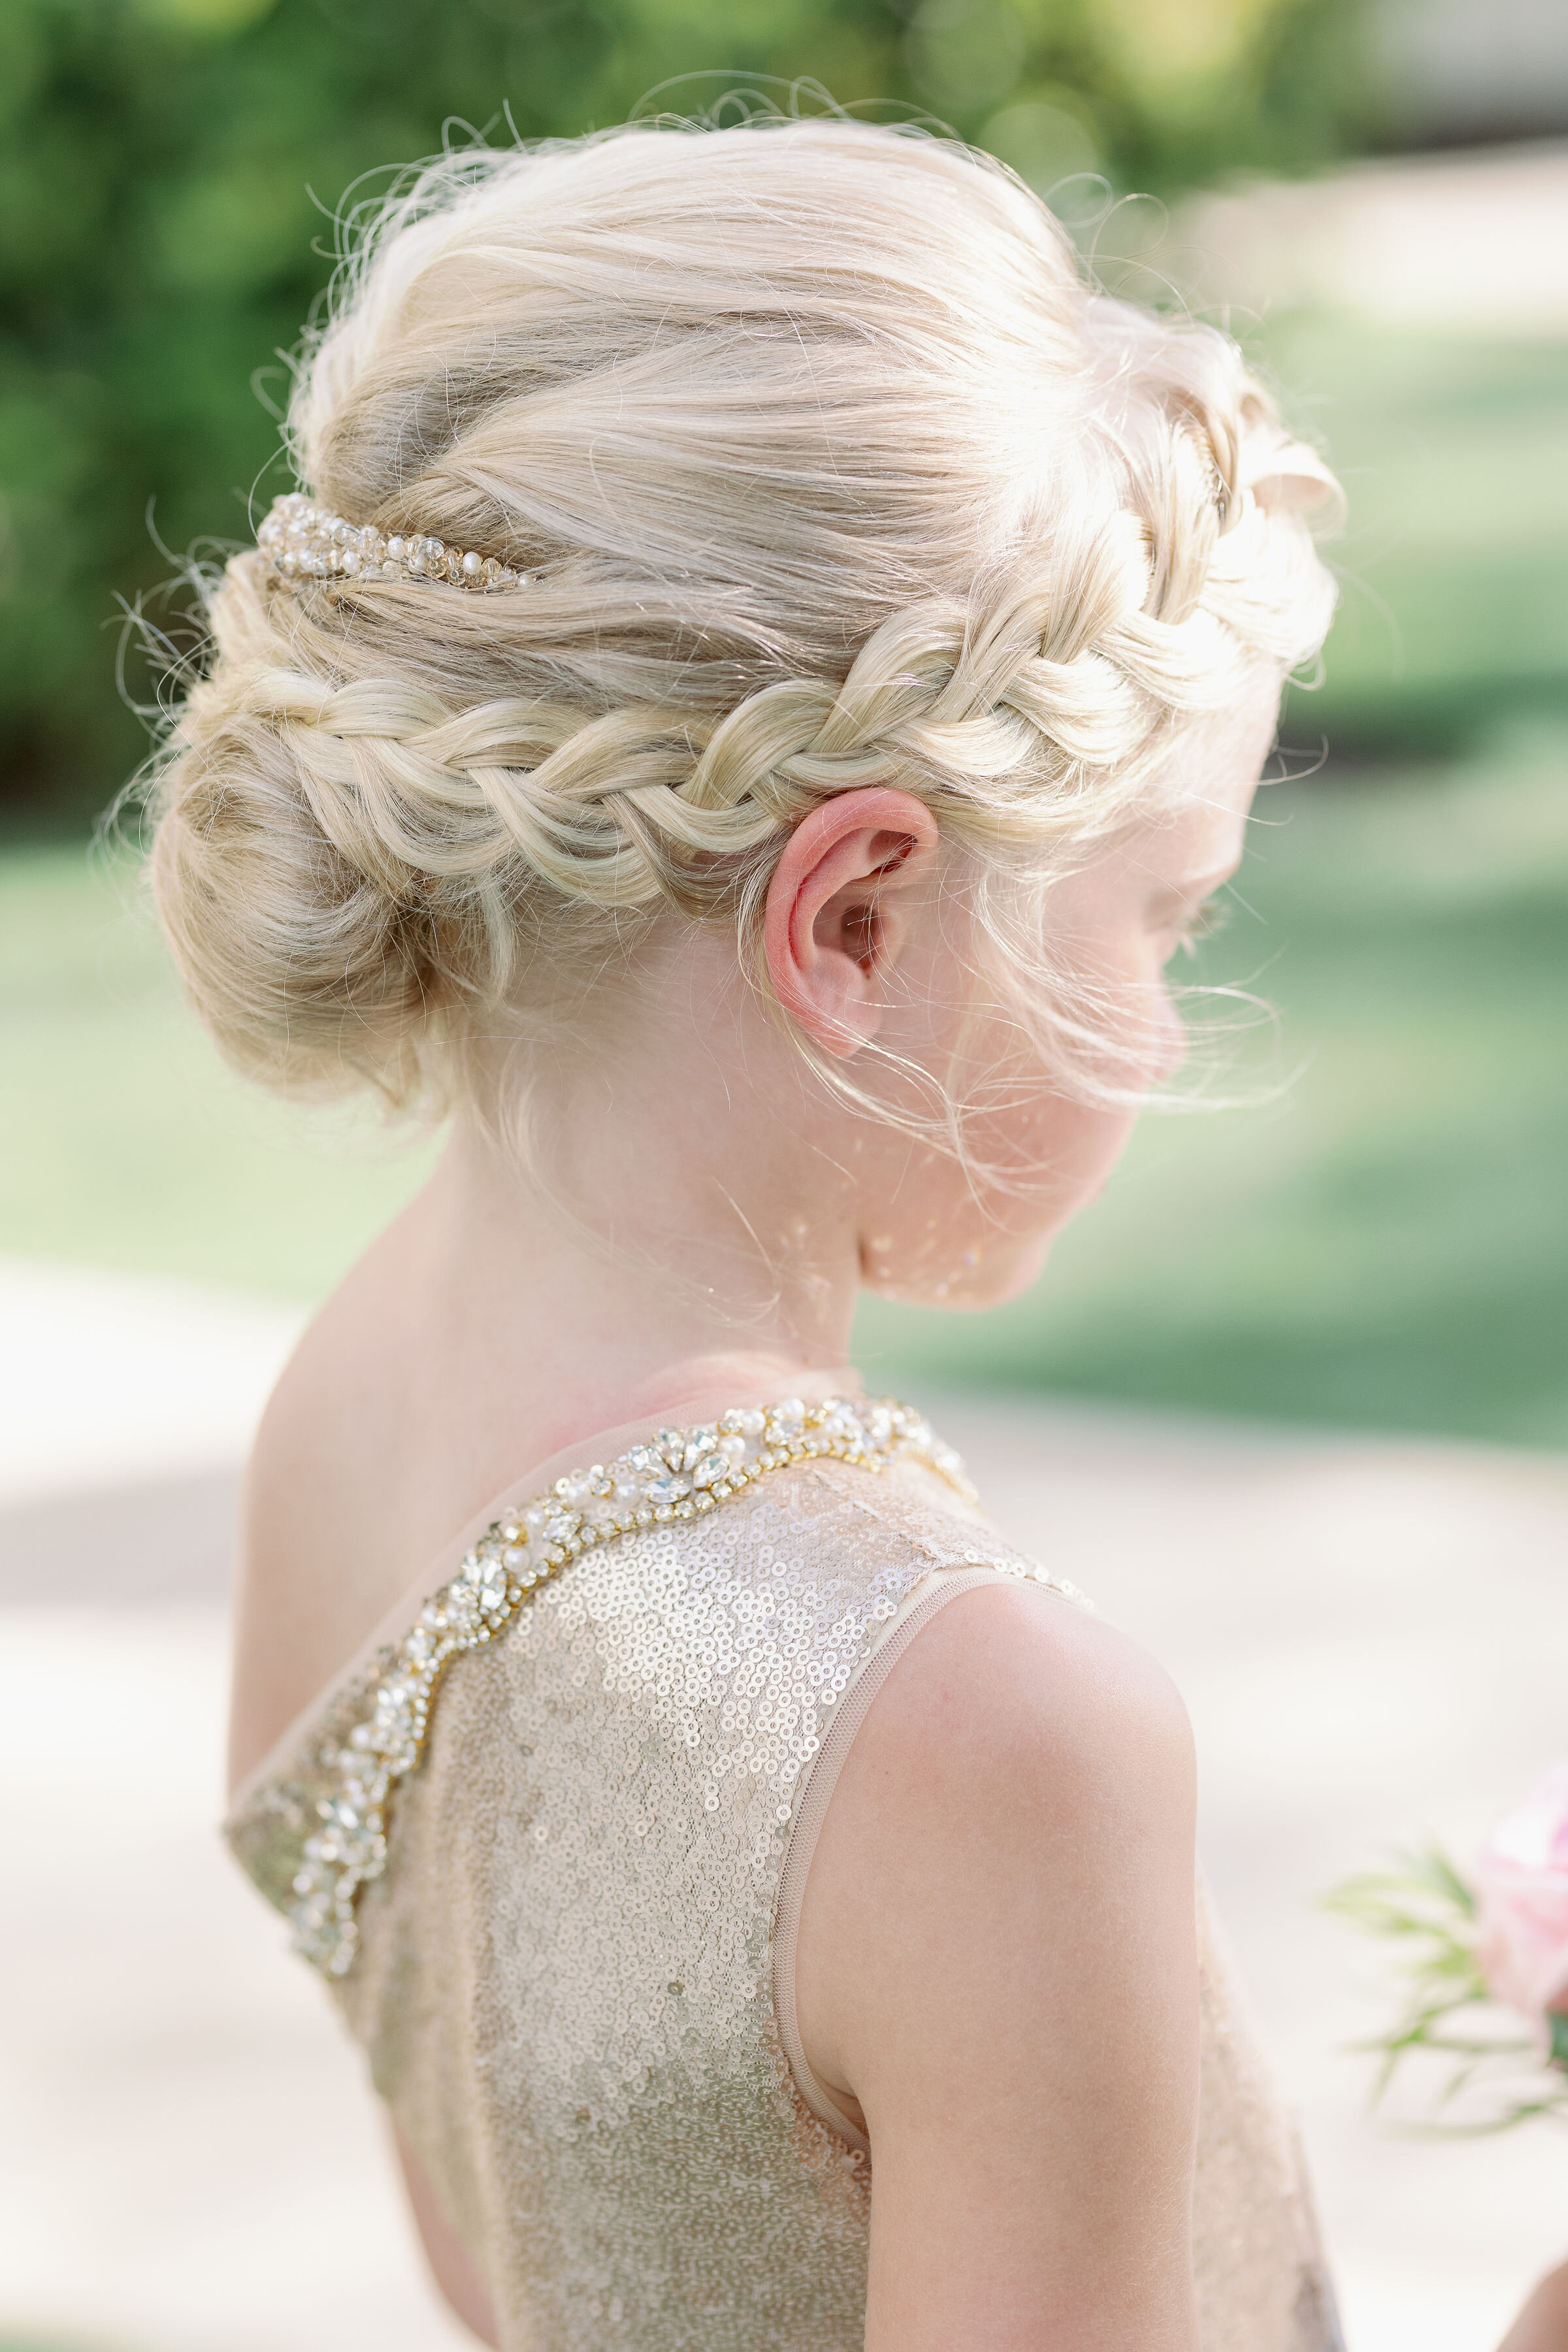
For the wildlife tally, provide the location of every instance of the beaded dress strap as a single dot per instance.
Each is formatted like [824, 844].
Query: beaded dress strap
[314, 1835]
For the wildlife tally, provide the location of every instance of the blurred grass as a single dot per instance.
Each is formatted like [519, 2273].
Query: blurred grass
[130, 1144]
[1384, 1245]
[1454, 567]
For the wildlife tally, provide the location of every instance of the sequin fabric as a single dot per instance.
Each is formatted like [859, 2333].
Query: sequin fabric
[1261, 2281]
[562, 1967]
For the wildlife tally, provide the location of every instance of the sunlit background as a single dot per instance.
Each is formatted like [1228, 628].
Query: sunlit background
[1309, 1356]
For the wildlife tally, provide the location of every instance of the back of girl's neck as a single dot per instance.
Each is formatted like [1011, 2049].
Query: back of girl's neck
[583, 1334]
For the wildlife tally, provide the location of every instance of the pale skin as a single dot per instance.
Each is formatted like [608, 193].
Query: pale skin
[1016, 1817]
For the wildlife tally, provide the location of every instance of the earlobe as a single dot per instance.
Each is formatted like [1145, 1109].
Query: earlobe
[838, 911]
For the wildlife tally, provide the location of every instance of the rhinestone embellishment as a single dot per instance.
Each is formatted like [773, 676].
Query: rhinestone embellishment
[678, 1474]
[303, 541]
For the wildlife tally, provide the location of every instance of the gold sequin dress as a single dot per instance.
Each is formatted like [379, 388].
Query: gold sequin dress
[547, 1840]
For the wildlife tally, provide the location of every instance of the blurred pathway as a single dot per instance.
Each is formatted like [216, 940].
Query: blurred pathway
[1466, 243]
[1371, 1639]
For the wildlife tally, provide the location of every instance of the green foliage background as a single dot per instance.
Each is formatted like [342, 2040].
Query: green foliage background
[168, 170]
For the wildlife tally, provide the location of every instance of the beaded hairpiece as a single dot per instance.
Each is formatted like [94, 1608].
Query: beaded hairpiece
[302, 542]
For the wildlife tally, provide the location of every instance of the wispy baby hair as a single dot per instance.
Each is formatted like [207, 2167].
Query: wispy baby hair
[826, 466]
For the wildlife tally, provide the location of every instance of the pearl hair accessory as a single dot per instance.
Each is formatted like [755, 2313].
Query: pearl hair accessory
[303, 541]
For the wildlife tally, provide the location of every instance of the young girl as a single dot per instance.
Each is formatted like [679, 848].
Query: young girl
[770, 668]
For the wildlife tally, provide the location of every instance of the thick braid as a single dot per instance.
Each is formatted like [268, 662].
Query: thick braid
[618, 809]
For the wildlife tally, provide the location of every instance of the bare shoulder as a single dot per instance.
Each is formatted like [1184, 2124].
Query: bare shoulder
[997, 1968]
[277, 1633]
[1013, 1692]
[312, 1557]
[1019, 1747]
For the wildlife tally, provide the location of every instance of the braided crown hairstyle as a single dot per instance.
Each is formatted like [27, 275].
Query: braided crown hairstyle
[827, 468]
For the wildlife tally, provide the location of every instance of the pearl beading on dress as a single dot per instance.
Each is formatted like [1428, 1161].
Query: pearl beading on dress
[680, 1474]
[303, 541]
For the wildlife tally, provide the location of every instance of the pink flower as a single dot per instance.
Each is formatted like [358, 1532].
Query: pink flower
[1523, 1882]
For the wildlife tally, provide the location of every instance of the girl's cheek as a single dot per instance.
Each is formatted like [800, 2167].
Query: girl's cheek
[1155, 1042]
[1168, 1040]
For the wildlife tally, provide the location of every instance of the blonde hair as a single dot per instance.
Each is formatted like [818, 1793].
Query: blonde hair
[830, 467]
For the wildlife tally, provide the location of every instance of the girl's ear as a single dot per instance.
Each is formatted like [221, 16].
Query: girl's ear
[838, 908]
